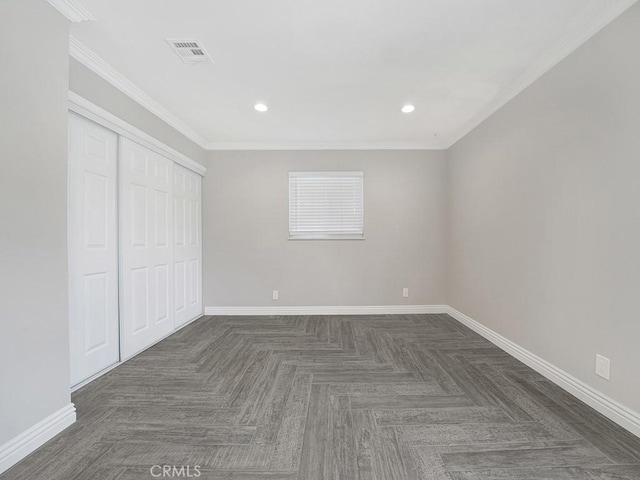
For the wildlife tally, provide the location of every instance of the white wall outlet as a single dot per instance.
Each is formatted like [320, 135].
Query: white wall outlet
[405, 292]
[603, 365]
[274, 296]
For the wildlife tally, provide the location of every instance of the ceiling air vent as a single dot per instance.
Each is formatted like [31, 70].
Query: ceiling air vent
[189, 51]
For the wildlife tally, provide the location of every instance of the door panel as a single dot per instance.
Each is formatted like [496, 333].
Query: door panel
[162, 221]
[146, 216]
[96, 299]
[96, 210]
[138, 218]
[139, 299]
[187, 245]
[180, 283]
[93, 248]
[195, 285]
[162, 293]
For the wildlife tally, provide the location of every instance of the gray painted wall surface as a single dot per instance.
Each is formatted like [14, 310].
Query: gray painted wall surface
[34, 330]
[91, 86]
[544, 239]
[247, 254]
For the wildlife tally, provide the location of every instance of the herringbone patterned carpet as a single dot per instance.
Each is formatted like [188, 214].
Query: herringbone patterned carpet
[350, 398]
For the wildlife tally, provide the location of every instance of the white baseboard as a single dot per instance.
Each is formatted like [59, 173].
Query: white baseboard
[326, 310]
[623, 416]
[19, 447]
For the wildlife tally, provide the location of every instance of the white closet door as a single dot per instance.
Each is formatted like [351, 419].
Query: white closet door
[187, 223]
[93, 248]
[146, 226]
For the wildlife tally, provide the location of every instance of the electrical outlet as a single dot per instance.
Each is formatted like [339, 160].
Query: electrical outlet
[275, 295]
[603, 365]
[405, 292]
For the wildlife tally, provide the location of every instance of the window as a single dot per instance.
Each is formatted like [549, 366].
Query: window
[326, 205]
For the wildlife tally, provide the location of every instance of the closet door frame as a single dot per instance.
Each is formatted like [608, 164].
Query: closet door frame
[84, 108]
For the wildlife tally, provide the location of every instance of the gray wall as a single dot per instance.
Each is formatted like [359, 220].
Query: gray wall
[247, 254]
[94, 88]
[34, 331]
[544, 240]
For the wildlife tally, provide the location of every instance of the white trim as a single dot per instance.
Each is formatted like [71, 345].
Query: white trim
[326, 146]
[327, 310]
[328, 173]
[99, 115]
[92, 61]
[326, 236]
[607, 406]
[28, 441]
[546, 62]
[71, 9]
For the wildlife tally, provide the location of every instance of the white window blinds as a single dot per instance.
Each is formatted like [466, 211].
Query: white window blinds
[326, 205]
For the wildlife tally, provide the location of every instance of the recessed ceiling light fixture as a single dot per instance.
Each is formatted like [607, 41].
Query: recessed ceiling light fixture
[408, 109]
[261, 107]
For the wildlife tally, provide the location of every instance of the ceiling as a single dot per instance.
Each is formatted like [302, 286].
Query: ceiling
[334, 73]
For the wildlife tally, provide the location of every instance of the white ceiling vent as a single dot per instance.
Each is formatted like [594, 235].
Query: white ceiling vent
[189, 50]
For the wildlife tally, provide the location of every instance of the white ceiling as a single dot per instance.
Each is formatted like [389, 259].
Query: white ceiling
[335, 73]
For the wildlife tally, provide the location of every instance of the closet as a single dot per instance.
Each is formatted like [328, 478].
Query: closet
[135, 250]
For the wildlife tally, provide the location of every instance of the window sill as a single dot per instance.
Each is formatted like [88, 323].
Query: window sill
[326, 237]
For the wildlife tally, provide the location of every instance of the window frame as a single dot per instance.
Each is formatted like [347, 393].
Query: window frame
[326, 236]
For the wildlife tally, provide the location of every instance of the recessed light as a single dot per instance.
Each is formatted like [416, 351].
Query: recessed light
[261, 107]
[408, 109]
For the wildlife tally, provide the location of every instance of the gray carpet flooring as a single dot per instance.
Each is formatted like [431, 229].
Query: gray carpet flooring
[330, 397]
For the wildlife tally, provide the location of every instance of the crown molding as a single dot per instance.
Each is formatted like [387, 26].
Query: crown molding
[92, 61]
[546, 62]
[325, 146]
[71, 9]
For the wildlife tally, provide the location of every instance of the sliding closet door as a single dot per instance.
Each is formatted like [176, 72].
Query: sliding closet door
[146, 275]
[93, 248]
[187, 244]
